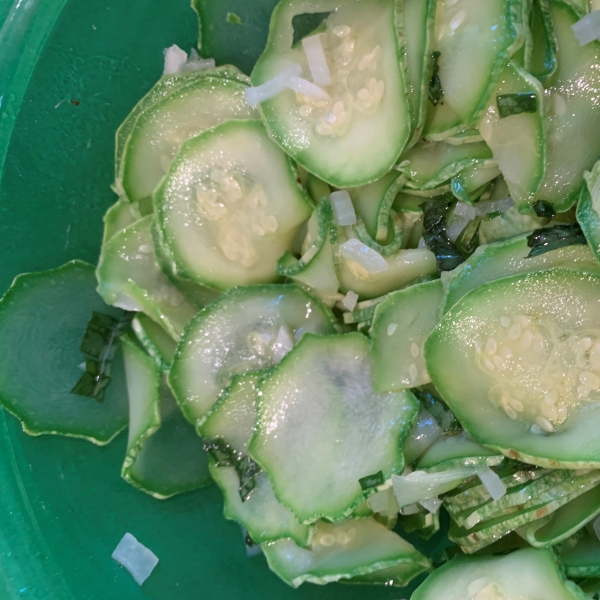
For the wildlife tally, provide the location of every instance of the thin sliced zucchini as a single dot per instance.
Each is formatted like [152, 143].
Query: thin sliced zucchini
[588, 210]
[456, 452]
[469, 184]
[120, 215]
[564, 523]
[543, 57]
[164, 126]
[468, 76]
[355, 548]
[573, 119]
[245, 329]
[442, 122]
[582, 560]
[129, 277]
[518, 140]
[429, 165]
[43, 318]
[159, 345]
[230, 206]
[164, 454]
[528, 351]
[510, 258]
[324, 436]
[526, 574]
[398, 576]
[400, 327]
[367, 96]
[468, 136]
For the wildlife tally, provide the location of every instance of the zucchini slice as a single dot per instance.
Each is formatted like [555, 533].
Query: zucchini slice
[525, 574]
[366, 104]
[528, 352]
[324, 436]
[583, 559]
[159, 345]
[120, 215]
[43, 318]
[543, 62]
[588, 210]
[244, 330]
[230, 206]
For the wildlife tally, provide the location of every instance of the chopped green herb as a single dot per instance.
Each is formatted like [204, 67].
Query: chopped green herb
[515, 104]
[447, 255]
[544, 209]
[307, 24]
[468, 240]
[371, 481]
[233, 19]
[225, 456]
[550, 238]
[98, 334]
[436, 93]
[437, 408]
[492, 215]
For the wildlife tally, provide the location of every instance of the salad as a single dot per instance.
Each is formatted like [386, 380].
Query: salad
[359, 291]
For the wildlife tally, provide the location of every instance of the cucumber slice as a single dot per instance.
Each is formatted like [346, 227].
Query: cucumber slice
[470, 183]
[164, 454]
[120, 215]
[364, 311]
[573, 120]
[526, 574]
[518, 141]
[240, 332]
[507, 225]
[129, 277]
[397, 576]
[319, 402]
[43, 317]
[468, 136]
[510, 258]
[164, 126]
[543, 62]
[468, 77]
[582, 560]
[340, 551]
[424, 523]
[441, 123]
[588, 210]
[521, 344]
[231, 231]
[400, 327]
[156, 341]
[564, 523]
[367, 96]
[429, 165]
[418, 17]
[456, 452]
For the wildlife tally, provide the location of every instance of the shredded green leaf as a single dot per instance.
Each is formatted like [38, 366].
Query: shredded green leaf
[447, 255]
[515, 104]
[438, 409]
[371, 481]
[544, 209]
[550, 238]
[233, 19]
[436, 93]
[225, 456]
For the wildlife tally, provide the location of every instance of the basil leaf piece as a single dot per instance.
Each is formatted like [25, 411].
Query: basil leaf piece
[515, 104]
[550, 238]
[371, 481]
[447, 255]
[436, 93]
[544, 209]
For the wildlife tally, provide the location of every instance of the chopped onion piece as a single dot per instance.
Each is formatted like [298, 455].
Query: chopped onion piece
[483, 208]
[431, 504]
[379, 502]
[195, 63]
[455, 227]
[283, 344]
[273, 87]
[308, 88]
[493, 484]
[411, 509]
[464, 210]
[175, 58]
[317, 62]
[422, 243]
[587, 29]
[343, 209]
[349, 302]
[135, 557]
[366, 257]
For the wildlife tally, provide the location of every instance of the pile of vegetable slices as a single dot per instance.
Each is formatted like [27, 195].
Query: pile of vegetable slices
[356, 290]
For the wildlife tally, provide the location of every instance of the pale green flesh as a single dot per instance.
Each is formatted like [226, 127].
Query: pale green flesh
[454, 451]
[468, 76]
[336, 154]
[129, 277]
[400, 327]
[121, 214]
[583, 560]
[429, 164]
[518, 142]
[573, 112]
[588, 210]
[543, 57]
[226, 237]
[510, 258]
[523, 575]
[539, 318]
[473, 181]
[441, 123]
[43, 318]
[359, 547]
[222, 340]
[160, 130]
[155, 340]
[321, 427]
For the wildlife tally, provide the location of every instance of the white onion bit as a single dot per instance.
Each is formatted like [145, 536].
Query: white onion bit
[175, 58]
[455, 227]
[379, 502]
[271, 88]
[366, 257]
[431, 504]
[308, 88]
[343, 209]
[411, 509]
[587, 29]
[464, 210]
[317, 62]
[283, 344]
[350, 300]
[195, 63]
[493, 484]
[483, 208]
[135, 557]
